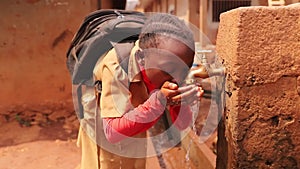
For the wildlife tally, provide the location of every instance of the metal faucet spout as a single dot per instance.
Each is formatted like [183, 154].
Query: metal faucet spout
[216, 72]
[203, 70]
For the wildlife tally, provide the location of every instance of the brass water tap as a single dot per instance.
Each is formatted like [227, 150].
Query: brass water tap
[203, 70]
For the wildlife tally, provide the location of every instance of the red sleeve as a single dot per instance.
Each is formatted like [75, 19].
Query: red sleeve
[135, 121]
[118, 129]
[181, 116]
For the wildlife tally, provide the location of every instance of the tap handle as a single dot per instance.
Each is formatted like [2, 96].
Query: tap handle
[203, 53]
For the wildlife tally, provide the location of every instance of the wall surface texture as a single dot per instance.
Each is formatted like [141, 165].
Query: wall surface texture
[35, 35]
[260, 47]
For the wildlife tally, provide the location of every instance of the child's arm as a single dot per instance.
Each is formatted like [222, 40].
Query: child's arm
[136, 120]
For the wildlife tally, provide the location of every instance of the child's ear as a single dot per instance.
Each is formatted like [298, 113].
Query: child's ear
[139, 54]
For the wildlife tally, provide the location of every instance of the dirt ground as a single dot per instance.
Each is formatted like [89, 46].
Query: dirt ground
[36, 147]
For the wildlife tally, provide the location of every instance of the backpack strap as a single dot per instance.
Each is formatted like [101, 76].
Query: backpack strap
[123, 51]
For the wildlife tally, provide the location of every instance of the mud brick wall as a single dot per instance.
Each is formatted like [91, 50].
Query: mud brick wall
[35, 35]
[260, 48]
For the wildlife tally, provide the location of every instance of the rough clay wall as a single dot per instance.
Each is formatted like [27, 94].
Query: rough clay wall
[260, 47]
[35, 35]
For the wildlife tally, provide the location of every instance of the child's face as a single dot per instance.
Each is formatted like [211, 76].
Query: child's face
[170, 62]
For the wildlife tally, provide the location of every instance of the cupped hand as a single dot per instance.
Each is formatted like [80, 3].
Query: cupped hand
[169, 89]
[189, 94]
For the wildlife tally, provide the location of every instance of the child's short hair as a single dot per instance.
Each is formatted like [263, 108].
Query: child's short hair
[167, 25]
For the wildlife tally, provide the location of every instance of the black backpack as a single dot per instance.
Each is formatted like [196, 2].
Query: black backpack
[101, 31]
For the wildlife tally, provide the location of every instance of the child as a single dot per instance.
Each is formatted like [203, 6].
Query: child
[134, 101]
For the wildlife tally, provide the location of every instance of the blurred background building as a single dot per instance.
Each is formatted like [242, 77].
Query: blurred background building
[204, 14]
